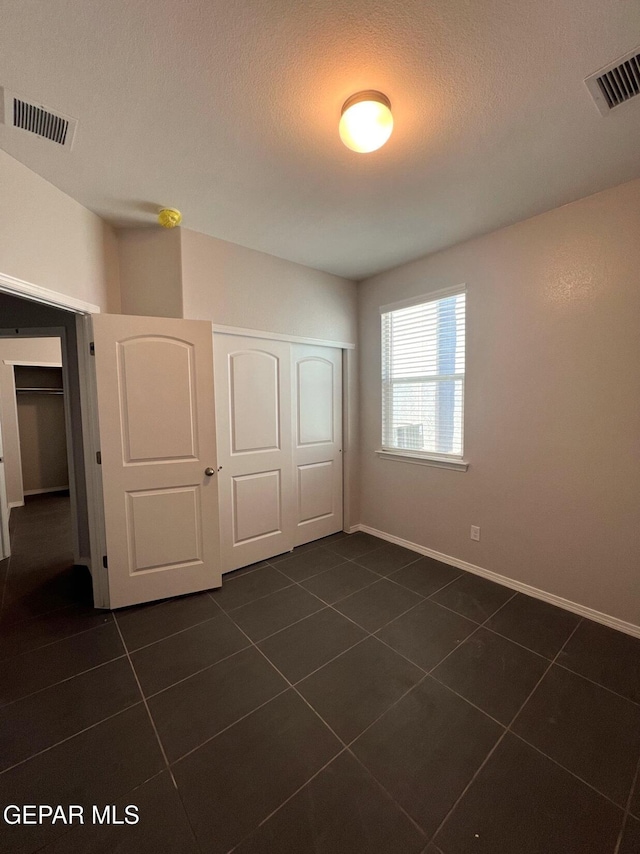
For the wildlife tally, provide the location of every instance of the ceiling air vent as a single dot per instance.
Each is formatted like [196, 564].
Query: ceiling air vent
[617, 83]
[34, 118]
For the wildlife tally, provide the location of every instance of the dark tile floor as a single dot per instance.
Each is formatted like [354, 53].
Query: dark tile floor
[349, 697]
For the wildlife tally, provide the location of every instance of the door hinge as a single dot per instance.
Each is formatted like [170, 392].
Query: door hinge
[99, 458]
[105, 562]
[92, 348]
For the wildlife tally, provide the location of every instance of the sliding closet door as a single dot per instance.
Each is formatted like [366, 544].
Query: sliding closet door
[253, 396]
[317, 448]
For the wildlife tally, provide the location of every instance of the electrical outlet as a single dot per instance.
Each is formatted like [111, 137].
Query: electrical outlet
[475, 533]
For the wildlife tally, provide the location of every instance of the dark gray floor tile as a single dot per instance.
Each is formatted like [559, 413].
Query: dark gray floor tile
[249, 587]
[167, 661]
[630, 843]
[387, 559]
[426, 749]
[32, 671]
[275, 612]
[27, 635]
[474, 597]
[592, 732]
[309, 563]
[355, 545]
[243, 570]
[340, 582]
[606, 656]
[145, 624]
[236, 780]
[537, 625]
[635, 800]
[493, 673]
[45, 584]
[41, 720]
[95, 767]
[350, 692]
[377, 604]
[312, 642]
[189, 713]
[332, 538]
[162, 826]
[523, 803]
[427, 633]
[426, 575]
[341, 810]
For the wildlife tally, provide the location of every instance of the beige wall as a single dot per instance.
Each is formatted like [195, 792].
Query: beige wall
[43, 351]
[48, 239]
[235, 286]
[150, 271]
[552, 408]
[43, 442]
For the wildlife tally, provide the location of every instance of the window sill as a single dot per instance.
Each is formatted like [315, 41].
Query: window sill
[423, 460]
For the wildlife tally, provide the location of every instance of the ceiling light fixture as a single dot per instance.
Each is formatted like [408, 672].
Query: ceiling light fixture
[366, 122]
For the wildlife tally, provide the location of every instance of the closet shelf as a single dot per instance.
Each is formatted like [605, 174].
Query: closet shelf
[40, 391]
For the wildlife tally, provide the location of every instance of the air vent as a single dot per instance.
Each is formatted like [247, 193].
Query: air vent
[617, 83]
[48, 124]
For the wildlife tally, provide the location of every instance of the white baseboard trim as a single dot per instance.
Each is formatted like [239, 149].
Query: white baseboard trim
[48, 489]
[13, 504]
[353, 529]
[521, 587]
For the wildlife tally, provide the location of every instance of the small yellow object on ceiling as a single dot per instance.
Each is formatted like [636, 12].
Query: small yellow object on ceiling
[169, 217]
[366, 122]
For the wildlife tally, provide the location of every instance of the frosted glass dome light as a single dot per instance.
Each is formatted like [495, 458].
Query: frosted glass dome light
[366, 122]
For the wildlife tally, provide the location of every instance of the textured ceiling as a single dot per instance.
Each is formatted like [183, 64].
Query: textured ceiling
[229, 111]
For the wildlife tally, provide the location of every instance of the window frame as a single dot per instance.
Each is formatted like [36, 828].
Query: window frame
[454, 462]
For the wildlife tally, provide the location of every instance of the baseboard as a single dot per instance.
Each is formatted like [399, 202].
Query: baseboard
[353, 529]
[13, 504]
[521, 587]
[48, 489]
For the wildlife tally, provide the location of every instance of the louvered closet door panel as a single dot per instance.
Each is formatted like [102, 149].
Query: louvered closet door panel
[253, 396]
[317, 441]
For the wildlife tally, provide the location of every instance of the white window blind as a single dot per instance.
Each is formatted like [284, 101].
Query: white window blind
[423, 377]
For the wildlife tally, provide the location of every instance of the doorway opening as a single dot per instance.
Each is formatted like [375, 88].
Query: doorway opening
[43, 501]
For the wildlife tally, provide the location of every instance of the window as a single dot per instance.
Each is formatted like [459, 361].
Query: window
[423, 376]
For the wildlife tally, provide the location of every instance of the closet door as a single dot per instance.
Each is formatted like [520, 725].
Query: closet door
[317, 447]
[253, 399]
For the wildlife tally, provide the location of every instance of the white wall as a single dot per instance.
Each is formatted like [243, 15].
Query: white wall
[552, 409]
[42, 351]
[50, 240]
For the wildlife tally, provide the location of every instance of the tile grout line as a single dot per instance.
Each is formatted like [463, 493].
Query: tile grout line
[429, 673]
[155, 694]
[568, 770]
[278, 808]
[157, 735]
[179, 632]
[627, 811]
[61, 681]
[59, 640]
[335, 734]
[501, 738]
[146, 705]
[69, 737]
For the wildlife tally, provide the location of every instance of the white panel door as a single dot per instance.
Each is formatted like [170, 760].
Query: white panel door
[253, 404]
[154, 384]
[317, 448]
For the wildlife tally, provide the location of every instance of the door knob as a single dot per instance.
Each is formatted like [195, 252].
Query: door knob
[209, 471]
